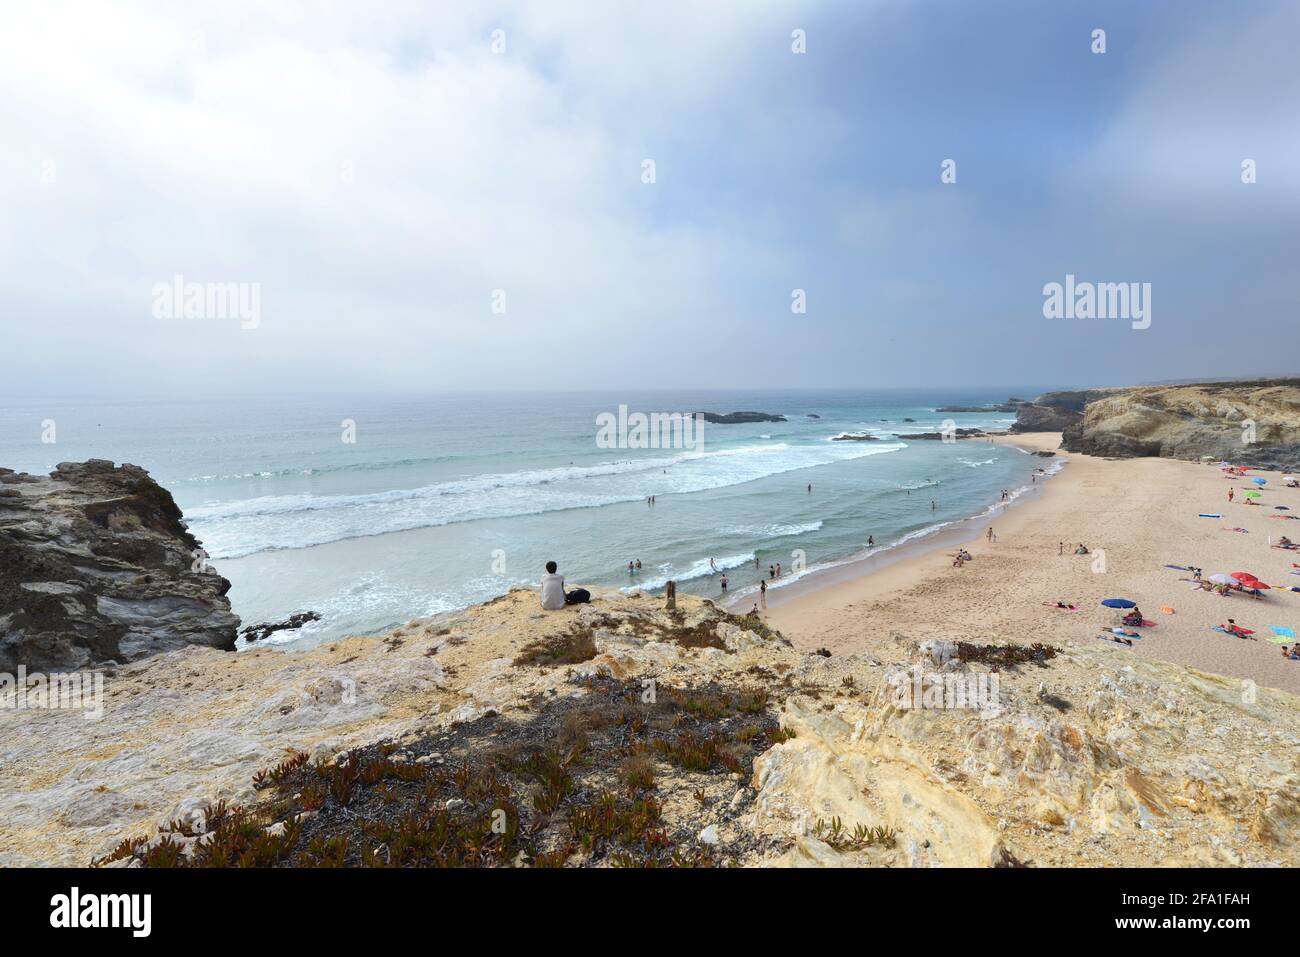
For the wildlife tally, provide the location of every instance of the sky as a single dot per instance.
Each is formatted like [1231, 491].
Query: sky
[454, 196]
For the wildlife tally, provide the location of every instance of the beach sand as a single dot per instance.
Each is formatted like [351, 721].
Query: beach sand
[1142, 513]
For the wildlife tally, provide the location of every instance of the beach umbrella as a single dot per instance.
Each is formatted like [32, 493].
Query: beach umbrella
[1119, 603]
[1283, 508]
[1252, 495]
[1244, 576]
[1223, 579]
[1284, 632]
[1260, 481]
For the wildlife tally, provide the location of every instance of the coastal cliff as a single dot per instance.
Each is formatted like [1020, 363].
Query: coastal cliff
[1056, 411]
[96, 566]
[625, 733]
[1250, 422]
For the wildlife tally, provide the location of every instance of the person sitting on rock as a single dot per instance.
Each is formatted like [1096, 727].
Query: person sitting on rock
[552, 588]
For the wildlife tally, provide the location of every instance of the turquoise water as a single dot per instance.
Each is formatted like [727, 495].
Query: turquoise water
[443, 501]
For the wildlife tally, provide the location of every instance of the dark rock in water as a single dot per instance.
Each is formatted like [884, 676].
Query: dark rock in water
[854, 437]
[909, 420]
[96, 565]
[1009, 406]
[258, 632]
[812, 415]
[957, 433]
[737, 418]
[1044, 453]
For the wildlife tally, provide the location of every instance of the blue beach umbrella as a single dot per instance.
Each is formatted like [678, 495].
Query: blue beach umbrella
[1119, 603]
[1260, 481]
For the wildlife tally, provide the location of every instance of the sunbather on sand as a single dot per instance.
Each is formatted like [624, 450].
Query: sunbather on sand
[1233, 628]
[1117, 639]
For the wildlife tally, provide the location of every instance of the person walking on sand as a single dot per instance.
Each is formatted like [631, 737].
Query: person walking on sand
[1060, 548]
[1229, 495]
[762, 592]
[989, 536]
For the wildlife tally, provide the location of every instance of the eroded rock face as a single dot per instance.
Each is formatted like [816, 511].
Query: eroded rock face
[96, 566]
[1255, 423]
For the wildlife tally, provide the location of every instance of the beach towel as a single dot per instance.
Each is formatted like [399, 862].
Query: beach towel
[1278, 639]
[1244, 531]
[1239, 633]
[1166, 609]
[1181, 568]
[1125, 634]
[1210, 515]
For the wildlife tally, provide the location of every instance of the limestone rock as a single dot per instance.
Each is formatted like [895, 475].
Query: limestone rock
[96, 565]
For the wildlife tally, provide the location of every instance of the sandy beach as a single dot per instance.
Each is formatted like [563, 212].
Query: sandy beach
[1135, 516]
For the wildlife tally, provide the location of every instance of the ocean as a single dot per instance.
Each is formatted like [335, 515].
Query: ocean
[376, 510]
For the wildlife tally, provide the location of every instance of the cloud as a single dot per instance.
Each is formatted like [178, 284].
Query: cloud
[379, 177]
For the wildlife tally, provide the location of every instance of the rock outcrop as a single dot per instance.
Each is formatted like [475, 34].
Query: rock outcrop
[1248, 422]
[739, 418]
[1057, 411]
[96, 565]
[938, 436]
[1008, 406]
[739, 748]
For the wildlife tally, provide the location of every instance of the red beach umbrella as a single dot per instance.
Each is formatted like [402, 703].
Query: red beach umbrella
[1244, 576]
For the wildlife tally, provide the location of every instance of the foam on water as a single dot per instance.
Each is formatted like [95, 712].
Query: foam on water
[235, 529]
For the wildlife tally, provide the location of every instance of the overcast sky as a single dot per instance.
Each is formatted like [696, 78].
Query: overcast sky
[379, 169]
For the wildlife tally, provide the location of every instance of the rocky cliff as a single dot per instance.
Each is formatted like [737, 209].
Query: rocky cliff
[1250, 422]
[96, 565]
[621, 732]
[1056, 411]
